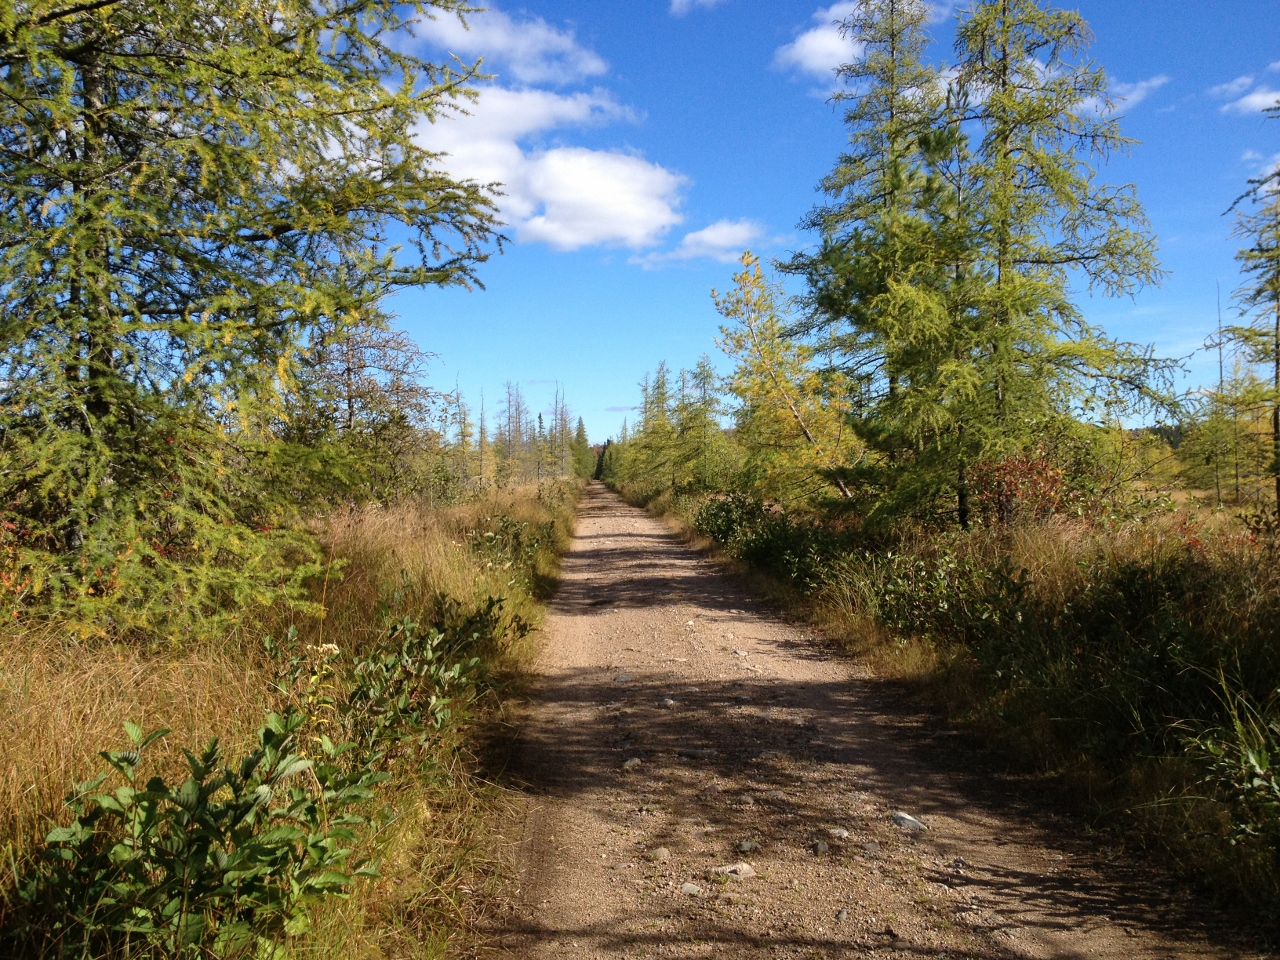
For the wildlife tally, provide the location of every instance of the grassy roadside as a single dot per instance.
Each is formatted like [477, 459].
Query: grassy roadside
[1136, 661]
[437, 605]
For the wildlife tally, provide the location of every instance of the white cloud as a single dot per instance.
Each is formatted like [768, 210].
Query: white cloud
[1236, 86]
[1134, 93]
[1255, 102]
[1274, 66]
[1122, 94]
[723, 240]
[681, 7]
[530, 48]
[596, 197]
[567, 197]
[1250, 155]
[819, 50]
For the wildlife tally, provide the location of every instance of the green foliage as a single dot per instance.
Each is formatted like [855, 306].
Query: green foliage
[399, 695]
[584, 461]
[229, 862]
[1244, 757]
[512, 546]
[193, 190]
[942, 287]
[680, 443]
[224, 864]
[770, 539]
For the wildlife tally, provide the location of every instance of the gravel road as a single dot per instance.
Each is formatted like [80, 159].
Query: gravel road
[708, 780]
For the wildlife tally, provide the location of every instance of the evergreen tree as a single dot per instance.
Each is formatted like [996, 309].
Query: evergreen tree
[583, 462]
[1045, 116]
[191, 187]
[1260, 295]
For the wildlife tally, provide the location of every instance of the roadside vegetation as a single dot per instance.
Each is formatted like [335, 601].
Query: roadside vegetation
[924, 445]
[262, 589]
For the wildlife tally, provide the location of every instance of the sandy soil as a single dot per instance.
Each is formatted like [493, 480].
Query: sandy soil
[678, 728]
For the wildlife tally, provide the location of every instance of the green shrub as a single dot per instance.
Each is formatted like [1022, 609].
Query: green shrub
[223, 864]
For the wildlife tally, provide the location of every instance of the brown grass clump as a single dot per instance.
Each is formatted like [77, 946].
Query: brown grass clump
[62, 702]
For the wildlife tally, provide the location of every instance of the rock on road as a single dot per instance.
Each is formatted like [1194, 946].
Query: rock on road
[708, 780]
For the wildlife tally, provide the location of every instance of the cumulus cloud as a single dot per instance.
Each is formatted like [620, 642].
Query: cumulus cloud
[530, 49]
[821, 49]
[567, 197]
[723, 241]
[1232, 88]
[681, 7]
[590, 197]
[1260, 99]
[1274, 67]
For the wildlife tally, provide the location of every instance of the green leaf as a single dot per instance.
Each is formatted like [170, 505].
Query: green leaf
[297, 924]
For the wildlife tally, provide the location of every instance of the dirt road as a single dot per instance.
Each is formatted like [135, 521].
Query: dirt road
[708, 781]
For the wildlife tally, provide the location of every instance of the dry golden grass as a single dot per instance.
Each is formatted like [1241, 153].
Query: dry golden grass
[61, 703]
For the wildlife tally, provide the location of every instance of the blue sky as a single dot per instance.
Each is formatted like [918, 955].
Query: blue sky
[644, 144]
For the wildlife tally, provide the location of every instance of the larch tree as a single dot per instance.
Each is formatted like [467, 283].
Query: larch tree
[887, 289]
[1043, 118]
[188, 189]
[793, 417]
[1259, 297]
[870, 224]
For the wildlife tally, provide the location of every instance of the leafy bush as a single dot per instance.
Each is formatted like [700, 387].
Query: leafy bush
[226, 863]
[512, 545]
[400, 693]
[223, 864]
[749, 530]
[1243, 757]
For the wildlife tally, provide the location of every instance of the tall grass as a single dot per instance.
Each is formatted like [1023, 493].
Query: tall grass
[61, 702]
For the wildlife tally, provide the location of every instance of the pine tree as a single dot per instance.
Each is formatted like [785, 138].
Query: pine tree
[1259, 298]
[1045, 117]
[191, 187]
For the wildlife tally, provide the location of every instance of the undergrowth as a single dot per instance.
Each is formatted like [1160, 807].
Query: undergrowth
[313, 794]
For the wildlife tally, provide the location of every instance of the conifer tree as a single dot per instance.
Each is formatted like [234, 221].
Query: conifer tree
[1260, 295]
[1045, 117]
[793, 418]
[189, 188]
[870, 225]
[584, 463]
